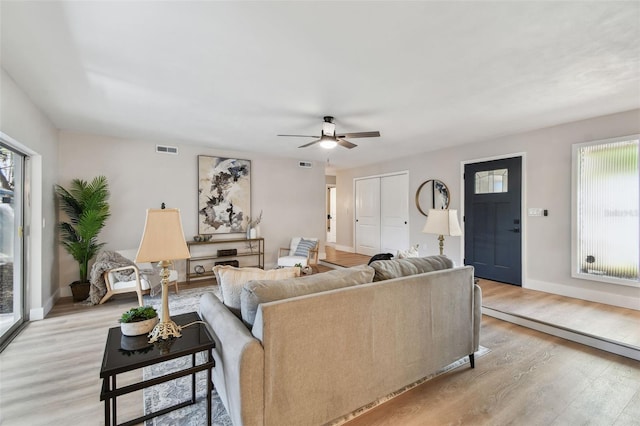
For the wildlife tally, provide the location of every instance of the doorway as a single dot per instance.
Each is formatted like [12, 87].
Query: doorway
[331, 214]
[493, 219]
[381, 214]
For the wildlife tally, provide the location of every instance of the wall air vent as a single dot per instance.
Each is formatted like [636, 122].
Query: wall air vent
[305, 164]
[161, 149]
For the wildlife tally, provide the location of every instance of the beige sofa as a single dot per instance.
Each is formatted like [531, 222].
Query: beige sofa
[309, 359]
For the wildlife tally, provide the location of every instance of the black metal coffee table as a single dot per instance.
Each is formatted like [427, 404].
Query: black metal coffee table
[124, 354]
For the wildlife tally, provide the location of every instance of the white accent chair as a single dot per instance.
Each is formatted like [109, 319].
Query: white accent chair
[291, 256]
[140, 284]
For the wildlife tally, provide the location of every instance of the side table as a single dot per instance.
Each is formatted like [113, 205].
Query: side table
[195, 338]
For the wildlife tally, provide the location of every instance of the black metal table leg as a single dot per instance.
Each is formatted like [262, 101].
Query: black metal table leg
[193, 379]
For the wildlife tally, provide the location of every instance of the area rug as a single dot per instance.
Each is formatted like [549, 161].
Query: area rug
[171, 393]
[176, 391]
[186, 300]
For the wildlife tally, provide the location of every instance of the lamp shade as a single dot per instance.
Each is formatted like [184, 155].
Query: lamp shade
[163, 238]
[442, 222]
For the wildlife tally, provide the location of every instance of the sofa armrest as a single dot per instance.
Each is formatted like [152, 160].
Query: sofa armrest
[477, 315]
[239, 371]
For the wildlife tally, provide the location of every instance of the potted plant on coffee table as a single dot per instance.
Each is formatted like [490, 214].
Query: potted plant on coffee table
[85, 204]
[139, 320]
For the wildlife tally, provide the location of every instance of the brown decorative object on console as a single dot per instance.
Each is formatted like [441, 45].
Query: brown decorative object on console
[227, 252]
[228, 262]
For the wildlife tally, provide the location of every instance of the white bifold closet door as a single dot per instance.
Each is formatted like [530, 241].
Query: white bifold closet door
[382, 214]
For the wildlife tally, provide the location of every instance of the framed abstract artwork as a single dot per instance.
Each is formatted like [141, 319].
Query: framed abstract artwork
[224, 195]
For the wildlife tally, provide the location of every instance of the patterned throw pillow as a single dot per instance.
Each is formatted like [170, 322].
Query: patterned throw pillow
[304, 246]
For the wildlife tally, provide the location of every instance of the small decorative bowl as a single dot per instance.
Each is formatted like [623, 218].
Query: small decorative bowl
[138, 328]
[197, 238]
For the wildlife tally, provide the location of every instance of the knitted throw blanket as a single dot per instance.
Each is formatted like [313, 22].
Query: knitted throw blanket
[107, 260]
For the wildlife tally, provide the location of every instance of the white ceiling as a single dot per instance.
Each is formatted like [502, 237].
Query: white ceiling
[233, 75]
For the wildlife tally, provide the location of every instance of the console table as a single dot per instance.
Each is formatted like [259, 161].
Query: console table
[195, 338]
[249, 253]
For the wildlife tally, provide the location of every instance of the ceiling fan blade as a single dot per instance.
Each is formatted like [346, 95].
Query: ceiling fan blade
[345, 144]
[301, 136]
[309, 144]
[373, 134]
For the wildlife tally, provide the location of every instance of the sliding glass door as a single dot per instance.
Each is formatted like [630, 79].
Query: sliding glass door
[12, 288]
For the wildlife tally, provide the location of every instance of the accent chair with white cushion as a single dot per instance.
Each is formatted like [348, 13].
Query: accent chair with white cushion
[140, 282]
[302, 250]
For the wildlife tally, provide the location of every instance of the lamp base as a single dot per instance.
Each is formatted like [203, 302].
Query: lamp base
[441, 239]
[164, 331]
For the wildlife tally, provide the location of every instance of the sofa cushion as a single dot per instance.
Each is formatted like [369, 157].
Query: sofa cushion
[396, 268]
[231, 279]
[256, 292]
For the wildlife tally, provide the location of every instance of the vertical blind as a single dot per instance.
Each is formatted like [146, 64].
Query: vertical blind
[607, 210]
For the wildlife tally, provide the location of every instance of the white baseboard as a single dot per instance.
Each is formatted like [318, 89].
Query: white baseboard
[345, 248]
[37, 314]
[585, 294]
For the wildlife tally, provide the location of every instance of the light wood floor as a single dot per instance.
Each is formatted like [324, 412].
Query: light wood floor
[49, 376]
[344, 258]
[528, 378]
[598, 319]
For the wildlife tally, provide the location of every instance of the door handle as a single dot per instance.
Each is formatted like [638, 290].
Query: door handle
[516, 230]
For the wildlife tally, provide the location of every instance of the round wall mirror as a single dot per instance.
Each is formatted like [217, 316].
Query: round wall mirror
[432, 194]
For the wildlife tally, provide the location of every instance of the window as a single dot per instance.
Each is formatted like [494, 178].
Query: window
[606, 229]
[492, 181]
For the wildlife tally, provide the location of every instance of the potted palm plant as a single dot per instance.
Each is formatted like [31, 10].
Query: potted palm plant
[85, 204]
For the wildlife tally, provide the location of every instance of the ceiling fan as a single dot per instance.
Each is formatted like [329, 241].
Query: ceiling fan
[329, 139]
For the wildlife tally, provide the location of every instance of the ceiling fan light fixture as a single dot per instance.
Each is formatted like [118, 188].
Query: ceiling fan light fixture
[328, 142]
[328, 128]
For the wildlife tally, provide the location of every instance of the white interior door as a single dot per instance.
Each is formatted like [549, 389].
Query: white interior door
[367, 210]
[394, 213]
[331, 232]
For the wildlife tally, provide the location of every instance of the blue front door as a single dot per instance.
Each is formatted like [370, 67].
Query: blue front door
[492, 222]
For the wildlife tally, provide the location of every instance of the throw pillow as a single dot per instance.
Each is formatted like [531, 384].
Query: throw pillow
[410, 252]
[388, 269]
[304, 246]
[256, 292]
[231, 279]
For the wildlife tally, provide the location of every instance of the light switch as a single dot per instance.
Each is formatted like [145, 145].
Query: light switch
[535, 212]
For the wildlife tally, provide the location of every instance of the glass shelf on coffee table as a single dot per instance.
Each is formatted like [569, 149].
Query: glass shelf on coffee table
[123, 354]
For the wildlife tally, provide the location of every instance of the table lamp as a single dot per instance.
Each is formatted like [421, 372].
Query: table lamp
[163, 241]
[442, 222]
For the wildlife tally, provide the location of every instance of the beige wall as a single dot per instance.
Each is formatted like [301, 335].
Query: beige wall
[547, 184]
[35, 136]
[292, 198]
